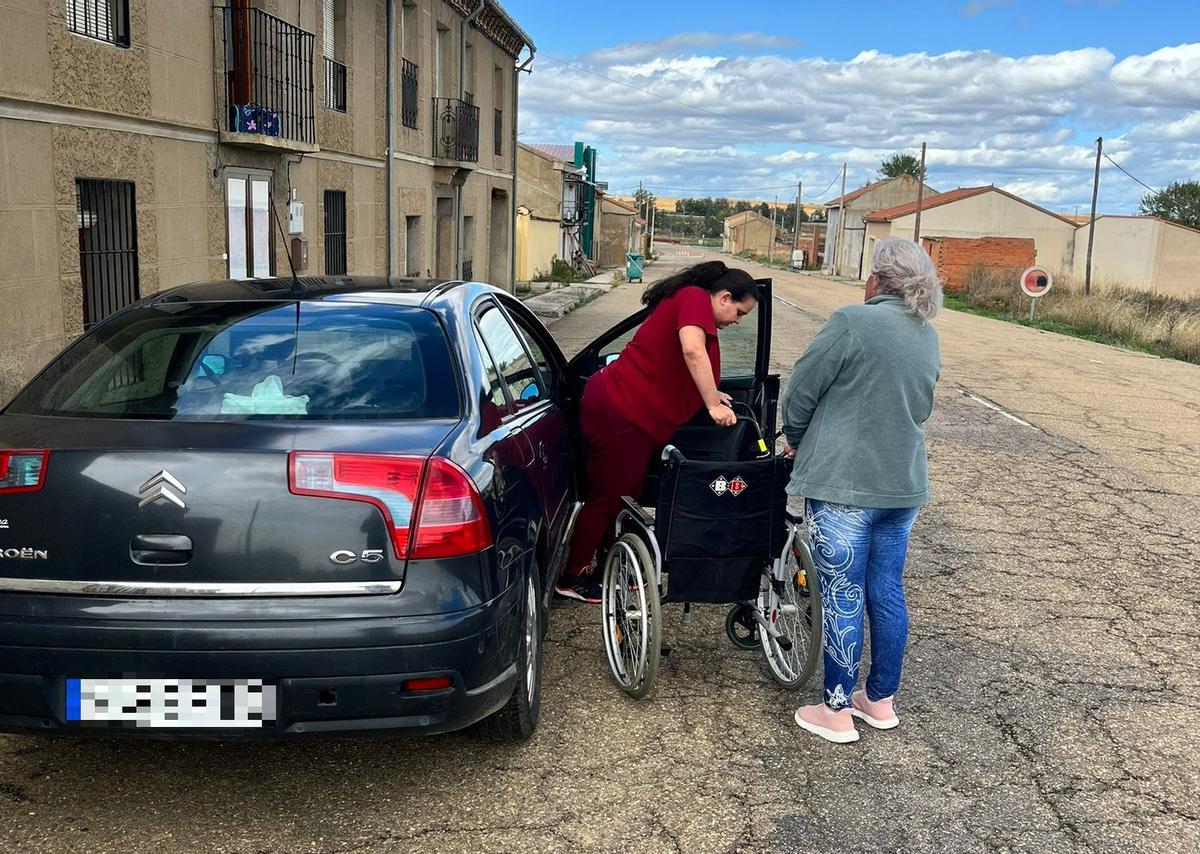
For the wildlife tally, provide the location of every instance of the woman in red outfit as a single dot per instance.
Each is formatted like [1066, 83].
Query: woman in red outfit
[632, 407]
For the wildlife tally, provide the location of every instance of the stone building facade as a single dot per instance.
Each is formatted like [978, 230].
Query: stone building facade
[149, 143]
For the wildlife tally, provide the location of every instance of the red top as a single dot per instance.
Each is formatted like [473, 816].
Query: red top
[650, 383]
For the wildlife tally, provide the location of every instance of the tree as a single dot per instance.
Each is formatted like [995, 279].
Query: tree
[1179, 202]
[900, 164]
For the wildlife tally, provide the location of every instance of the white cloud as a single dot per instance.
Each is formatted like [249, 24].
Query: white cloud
[724, 120]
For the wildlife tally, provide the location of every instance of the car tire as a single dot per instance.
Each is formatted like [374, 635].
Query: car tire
[518, 718]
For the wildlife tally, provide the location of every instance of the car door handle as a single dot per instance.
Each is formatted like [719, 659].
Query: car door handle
[160, 549]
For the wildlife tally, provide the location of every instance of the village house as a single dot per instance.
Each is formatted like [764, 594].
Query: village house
[974, 213]
[1141, 252]
[844, 244]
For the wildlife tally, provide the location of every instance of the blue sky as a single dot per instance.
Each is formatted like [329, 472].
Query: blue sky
[687, 96]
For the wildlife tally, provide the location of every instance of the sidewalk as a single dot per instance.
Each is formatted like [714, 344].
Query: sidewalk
[554, 304]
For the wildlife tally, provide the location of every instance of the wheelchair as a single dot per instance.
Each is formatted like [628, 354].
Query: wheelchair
[720, 533]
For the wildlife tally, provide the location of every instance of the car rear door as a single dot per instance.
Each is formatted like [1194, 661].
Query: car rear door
[548, 428]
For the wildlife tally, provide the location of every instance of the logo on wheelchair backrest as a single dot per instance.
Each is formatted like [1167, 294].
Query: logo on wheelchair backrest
[734, 487]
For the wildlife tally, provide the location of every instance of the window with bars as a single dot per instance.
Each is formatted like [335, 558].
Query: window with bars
[408, 93]
[334, 45]
[104, 20]
[335, 232]
[108, 258]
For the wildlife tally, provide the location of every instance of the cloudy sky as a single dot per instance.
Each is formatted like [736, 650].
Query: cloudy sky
[744, 98]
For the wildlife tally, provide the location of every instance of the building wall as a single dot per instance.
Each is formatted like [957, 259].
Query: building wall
[1141, 253]
[73, 107]
[955, 257]
[1123, 252]
[539, 191]
[1177, 268]
[987, 215]
[618, 234]
[537, 244]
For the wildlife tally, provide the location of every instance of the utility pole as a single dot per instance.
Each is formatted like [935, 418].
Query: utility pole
[837, 247]
[796, 219]
[653, 202]
[1087, 274]
[771, 246]
[920, 197]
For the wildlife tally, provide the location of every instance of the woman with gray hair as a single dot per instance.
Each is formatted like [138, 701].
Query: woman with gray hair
[854, 412]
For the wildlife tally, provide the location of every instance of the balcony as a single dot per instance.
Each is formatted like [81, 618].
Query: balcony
[268, 82]
[335, 85]
[456, 132]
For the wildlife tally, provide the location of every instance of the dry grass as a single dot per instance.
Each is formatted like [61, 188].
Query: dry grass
[1169, 326]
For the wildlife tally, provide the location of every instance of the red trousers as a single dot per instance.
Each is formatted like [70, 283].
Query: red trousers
[618, 456]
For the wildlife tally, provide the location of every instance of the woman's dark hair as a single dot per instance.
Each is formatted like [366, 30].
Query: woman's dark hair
[713, 276]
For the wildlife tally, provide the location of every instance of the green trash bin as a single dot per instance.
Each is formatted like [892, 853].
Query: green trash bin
[634, 262]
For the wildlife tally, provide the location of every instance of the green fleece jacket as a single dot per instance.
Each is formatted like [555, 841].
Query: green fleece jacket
[856, 405]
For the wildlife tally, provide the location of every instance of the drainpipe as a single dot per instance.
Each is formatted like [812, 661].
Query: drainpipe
[391, 138]
[512, 225]
[460, 219]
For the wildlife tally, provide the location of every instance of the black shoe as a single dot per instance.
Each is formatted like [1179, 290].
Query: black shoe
[581, 589]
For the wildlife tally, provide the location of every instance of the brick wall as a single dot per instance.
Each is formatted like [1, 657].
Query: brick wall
[953, 257]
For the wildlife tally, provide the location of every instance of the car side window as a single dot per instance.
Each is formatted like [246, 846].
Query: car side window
[516, 370]
[530, 338]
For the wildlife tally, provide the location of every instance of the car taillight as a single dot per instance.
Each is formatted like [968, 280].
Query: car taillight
[451, 520]
[431, 507]
[23, 470]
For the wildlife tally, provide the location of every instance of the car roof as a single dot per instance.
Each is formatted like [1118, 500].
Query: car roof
[394, 290]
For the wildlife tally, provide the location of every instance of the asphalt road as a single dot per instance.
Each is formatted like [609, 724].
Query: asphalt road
[1051, 700]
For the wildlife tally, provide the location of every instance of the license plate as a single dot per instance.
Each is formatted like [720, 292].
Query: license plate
[155, 703]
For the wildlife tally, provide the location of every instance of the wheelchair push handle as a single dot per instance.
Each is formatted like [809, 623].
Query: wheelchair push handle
[752, 419]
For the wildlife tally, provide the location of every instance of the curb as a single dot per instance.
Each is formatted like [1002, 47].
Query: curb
[557, 304]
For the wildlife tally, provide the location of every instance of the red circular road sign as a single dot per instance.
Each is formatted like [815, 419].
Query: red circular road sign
[1036, 281]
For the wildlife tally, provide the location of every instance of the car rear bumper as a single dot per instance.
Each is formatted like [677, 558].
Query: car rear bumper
[333, 675]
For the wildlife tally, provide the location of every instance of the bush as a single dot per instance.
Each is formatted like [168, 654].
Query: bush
[560, 271]
[1166, 325]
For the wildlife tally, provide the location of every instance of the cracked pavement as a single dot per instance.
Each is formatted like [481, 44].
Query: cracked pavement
[1050, 702]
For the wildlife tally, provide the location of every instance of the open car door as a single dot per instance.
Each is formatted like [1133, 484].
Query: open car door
[745, 376]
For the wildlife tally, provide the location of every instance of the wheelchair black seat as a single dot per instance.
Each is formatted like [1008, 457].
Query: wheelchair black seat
[717, 524]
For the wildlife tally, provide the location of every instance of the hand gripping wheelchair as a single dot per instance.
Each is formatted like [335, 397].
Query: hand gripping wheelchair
[720, 533]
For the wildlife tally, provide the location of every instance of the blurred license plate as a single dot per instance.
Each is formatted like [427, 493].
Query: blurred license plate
[199, 703]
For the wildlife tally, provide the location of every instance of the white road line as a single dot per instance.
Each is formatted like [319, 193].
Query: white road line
[996, 408]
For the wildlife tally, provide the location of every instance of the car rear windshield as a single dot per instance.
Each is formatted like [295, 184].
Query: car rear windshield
[242, 361]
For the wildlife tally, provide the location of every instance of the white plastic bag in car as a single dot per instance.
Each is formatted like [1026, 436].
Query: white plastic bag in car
[267, 398]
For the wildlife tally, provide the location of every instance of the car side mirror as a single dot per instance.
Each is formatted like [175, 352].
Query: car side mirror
[609, 358]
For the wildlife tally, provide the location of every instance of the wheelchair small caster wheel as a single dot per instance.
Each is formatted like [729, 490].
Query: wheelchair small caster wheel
[741, 627]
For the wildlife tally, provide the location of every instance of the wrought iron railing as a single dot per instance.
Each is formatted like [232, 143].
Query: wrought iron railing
[408, 93]
[456, 133]
[498, 131]
[468, 273]
[269, 75]
[335, 85]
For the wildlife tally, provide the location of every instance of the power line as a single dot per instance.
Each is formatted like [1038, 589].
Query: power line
[1123, 169]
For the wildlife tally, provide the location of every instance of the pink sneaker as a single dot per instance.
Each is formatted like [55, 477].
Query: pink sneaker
[878, 713]
[819, 719]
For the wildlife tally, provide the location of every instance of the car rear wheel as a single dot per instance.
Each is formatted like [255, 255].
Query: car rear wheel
[517, 720]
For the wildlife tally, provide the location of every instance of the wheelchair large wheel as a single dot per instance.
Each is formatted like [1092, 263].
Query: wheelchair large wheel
[629, 601]
[790, 600]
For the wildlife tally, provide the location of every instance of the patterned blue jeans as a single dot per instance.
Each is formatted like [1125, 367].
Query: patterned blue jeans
[859, 552]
